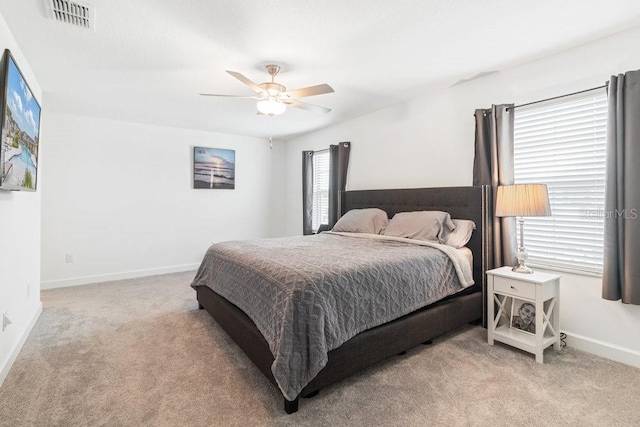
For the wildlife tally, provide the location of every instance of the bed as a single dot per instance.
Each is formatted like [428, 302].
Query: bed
[367, 346]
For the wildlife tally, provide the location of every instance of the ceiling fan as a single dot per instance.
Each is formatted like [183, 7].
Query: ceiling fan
[274, 98]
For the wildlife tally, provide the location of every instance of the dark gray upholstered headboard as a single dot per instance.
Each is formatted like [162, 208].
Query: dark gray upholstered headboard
[461, 202]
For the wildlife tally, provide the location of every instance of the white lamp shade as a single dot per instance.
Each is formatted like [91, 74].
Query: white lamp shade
[523, 200]
[271, 107]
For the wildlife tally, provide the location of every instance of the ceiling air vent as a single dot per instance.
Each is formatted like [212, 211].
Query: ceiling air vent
[71, 12]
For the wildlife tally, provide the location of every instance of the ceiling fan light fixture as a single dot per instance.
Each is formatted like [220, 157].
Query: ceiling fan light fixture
[271, 107]
[274, 98]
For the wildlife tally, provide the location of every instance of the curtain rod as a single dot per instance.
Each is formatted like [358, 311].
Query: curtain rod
[557, 97]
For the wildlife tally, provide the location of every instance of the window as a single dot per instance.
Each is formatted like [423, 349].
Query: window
[320, 189]
[562, 143]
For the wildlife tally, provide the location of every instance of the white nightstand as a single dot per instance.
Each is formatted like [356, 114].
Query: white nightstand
[507, 289]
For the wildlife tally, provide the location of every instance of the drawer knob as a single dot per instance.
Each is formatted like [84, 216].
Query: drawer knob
[513, 287]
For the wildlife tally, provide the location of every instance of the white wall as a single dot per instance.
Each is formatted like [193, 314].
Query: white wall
[429, 141]
[119, 198]
[606, 328]
[19, 241]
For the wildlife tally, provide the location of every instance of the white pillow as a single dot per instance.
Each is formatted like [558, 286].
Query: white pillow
[462, 234]
[431, 226]
[369, 220]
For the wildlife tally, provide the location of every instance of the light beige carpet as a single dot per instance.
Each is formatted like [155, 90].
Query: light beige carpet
[139, 352]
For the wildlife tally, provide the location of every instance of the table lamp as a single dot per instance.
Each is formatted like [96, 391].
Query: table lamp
[522, 200]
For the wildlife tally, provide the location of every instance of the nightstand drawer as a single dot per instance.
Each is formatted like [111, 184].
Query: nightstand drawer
[515, 288]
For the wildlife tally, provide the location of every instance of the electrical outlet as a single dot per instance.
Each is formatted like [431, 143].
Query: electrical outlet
[68, 258]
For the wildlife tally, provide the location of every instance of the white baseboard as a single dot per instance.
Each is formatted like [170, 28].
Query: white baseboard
[603, 349]
[16, 349]
[85, 280]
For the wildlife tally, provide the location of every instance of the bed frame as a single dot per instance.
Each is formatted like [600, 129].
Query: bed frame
[377, 344]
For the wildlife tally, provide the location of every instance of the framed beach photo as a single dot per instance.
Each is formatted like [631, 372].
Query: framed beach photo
[214, 168]
[523, 316]
[20, 135]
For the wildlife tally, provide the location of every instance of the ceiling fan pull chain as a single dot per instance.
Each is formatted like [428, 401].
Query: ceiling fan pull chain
[270, 132]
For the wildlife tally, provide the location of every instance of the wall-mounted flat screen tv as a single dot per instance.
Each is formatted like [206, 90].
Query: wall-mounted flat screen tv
[20, 130]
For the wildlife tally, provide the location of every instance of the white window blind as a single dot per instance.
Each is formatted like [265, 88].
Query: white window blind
[320, 189]
[562, 143]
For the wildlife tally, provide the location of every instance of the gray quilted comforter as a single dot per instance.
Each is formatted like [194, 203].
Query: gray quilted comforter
[309, 294]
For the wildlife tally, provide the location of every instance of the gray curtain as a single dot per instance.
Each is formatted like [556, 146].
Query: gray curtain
[493, 166]
[338, 165]
[307, 192]
[621, 274]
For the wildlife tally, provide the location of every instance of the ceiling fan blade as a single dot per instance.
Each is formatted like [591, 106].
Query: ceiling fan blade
[230, 96]
[246, 81]
[305, 106]
[310, 91]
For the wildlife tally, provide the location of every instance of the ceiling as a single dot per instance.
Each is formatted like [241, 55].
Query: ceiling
[147, 60]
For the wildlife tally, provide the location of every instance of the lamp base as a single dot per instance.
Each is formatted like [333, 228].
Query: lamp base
[522, 256]
[522, 269]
